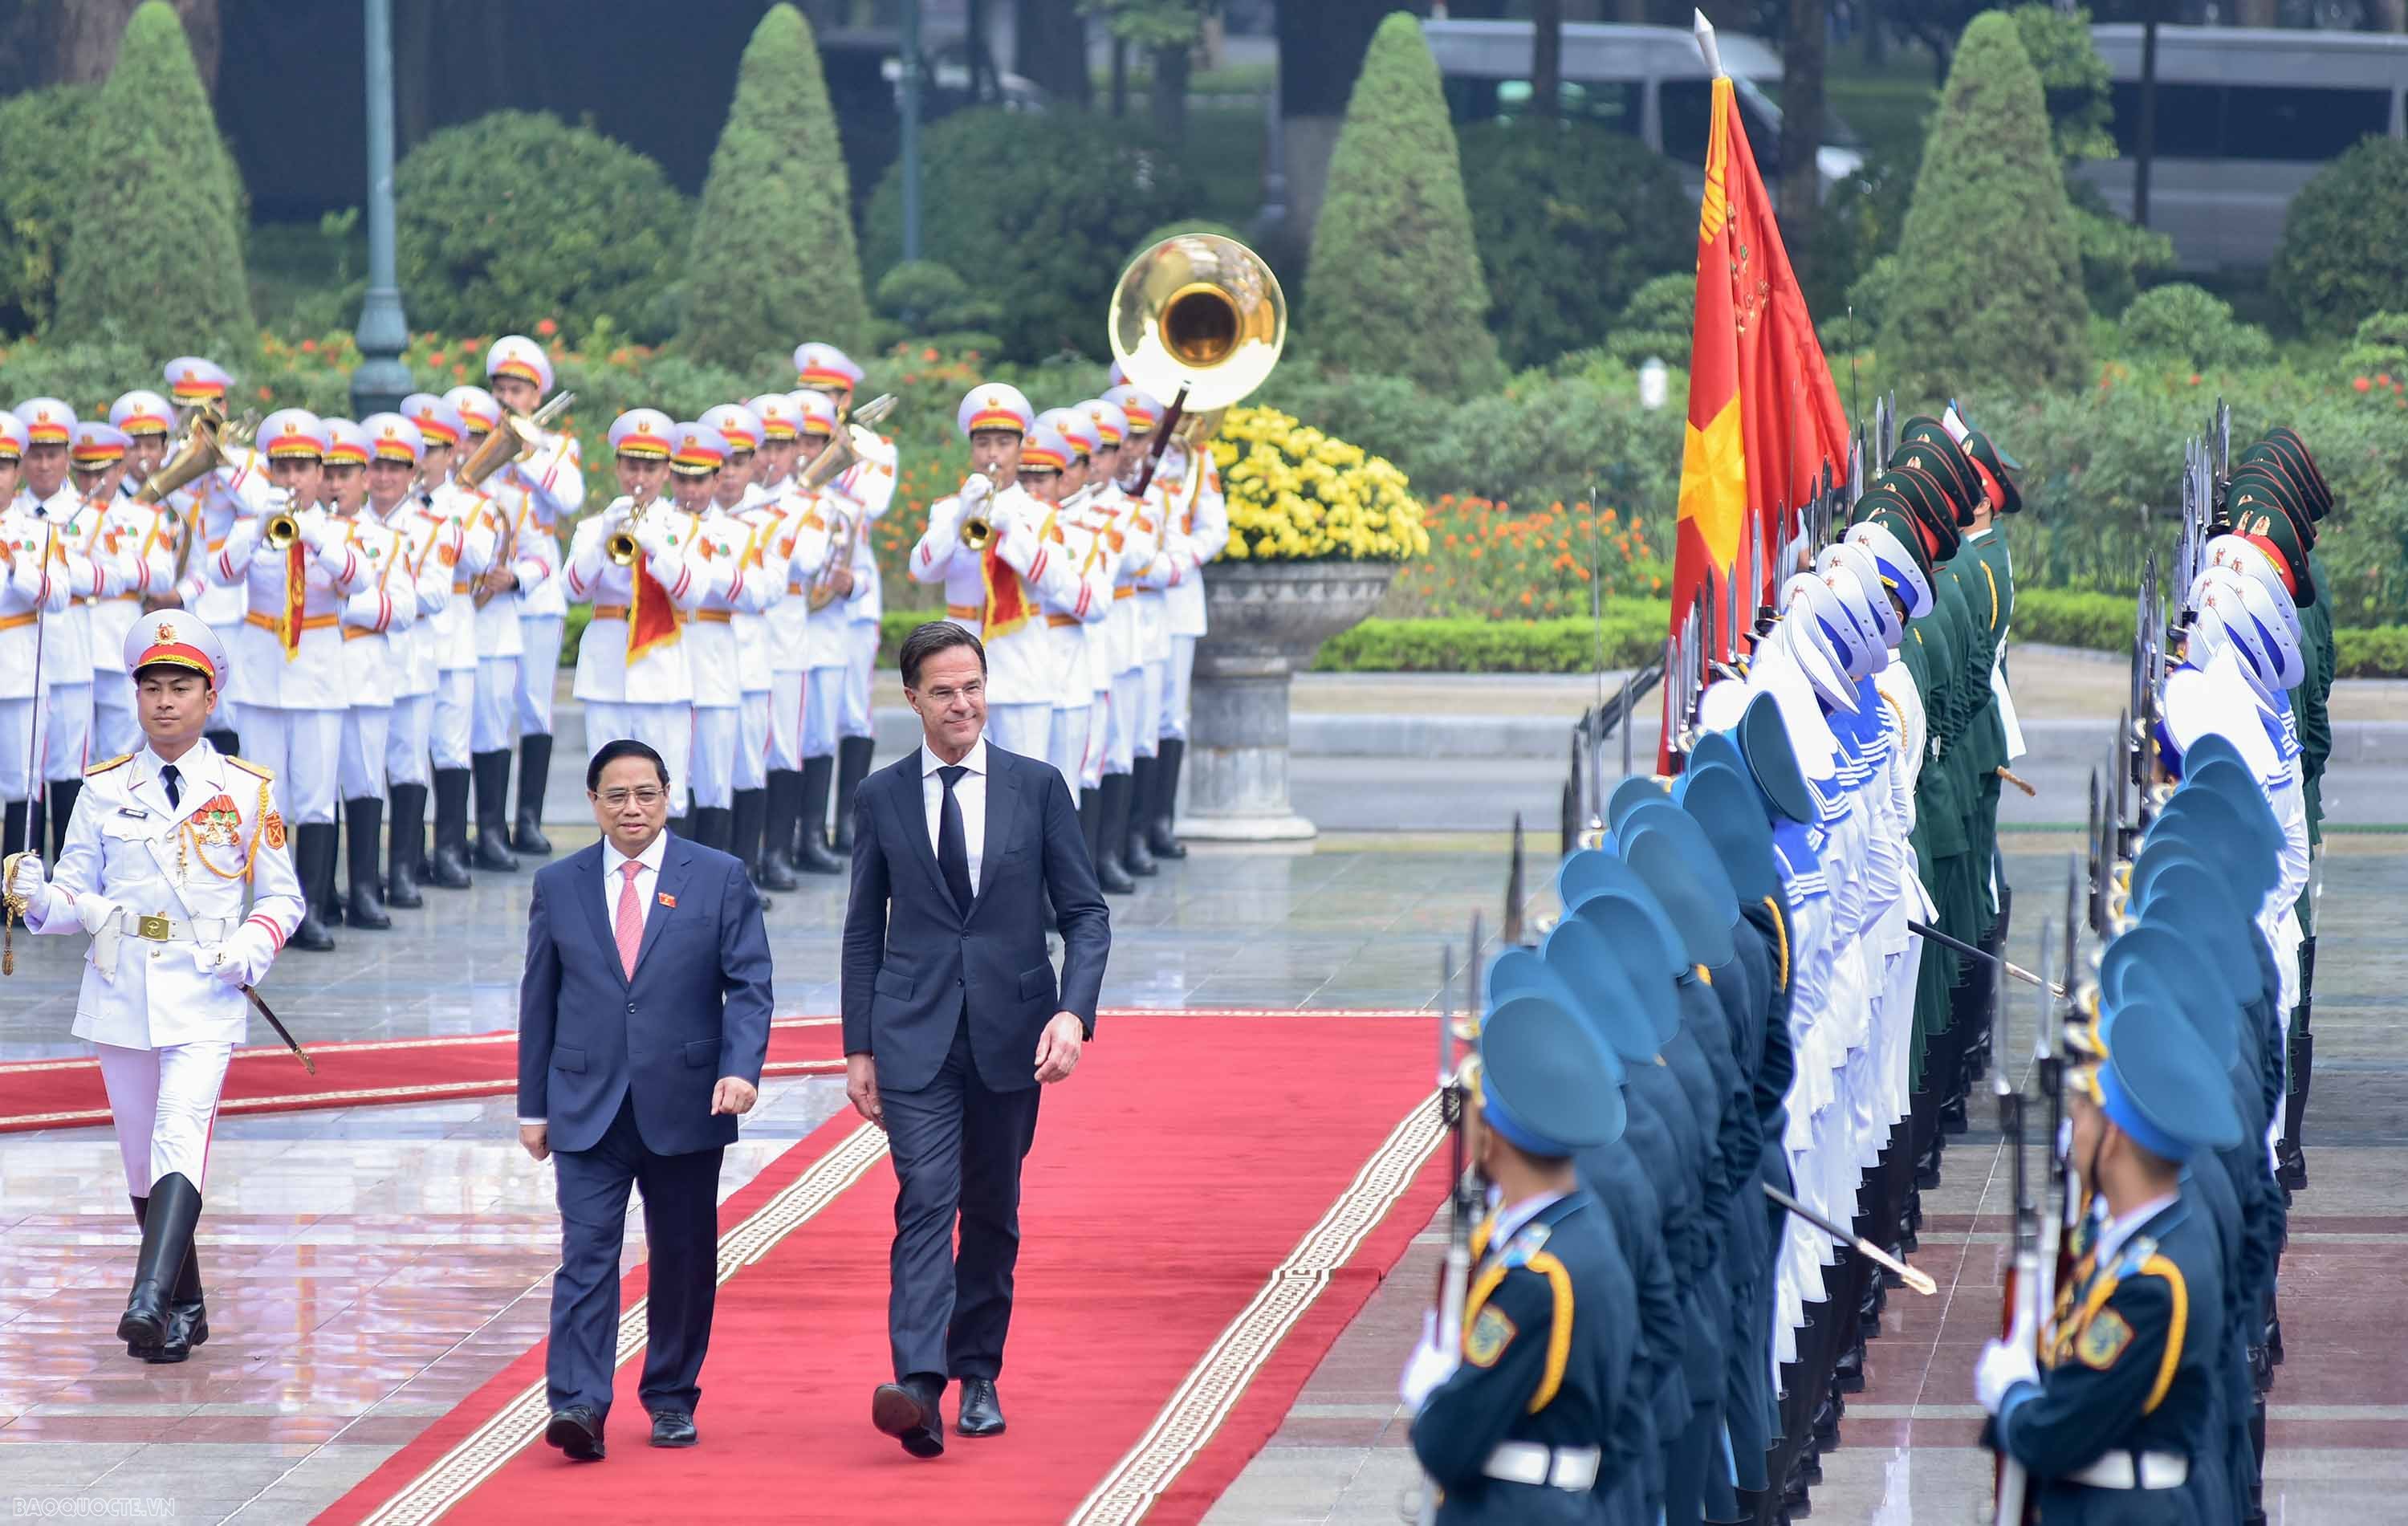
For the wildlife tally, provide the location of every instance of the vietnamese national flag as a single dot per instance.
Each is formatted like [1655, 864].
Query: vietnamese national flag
[1764, 414]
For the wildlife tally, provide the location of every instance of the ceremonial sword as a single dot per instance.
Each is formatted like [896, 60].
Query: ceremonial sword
[1920, 1281]
[1923, 929]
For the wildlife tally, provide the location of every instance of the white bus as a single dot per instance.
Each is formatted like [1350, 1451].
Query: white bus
[1647, 81]
[2244, 118]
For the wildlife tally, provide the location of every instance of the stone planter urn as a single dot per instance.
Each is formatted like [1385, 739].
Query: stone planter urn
[1266, 620]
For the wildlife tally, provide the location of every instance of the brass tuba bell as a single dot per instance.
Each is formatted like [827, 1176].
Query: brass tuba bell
[208, 438]
[1199, 318]
[519, 437]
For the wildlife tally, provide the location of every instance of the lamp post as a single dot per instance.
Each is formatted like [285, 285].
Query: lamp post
[911, 111]
[382, 381]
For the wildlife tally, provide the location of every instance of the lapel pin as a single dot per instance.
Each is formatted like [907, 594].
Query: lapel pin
[668, 900]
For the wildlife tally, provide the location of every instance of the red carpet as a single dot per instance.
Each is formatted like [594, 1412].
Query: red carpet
[1207, 1205]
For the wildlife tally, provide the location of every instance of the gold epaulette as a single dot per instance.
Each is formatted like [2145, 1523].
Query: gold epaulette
[114, 762]
[250, 767]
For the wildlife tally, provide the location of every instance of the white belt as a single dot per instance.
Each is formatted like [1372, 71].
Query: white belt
[125, 922]
[2135, 1470]
[1570, 1468]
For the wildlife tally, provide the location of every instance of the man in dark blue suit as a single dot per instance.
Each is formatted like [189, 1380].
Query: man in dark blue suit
[643, 1020]
[953, 1020]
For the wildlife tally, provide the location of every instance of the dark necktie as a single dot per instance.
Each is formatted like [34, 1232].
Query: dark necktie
[952, 842]
[174, 785]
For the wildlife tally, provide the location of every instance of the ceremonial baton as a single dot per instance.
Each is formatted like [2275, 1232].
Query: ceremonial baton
[1923, 929]
[1920, 1281]
[282, 1033]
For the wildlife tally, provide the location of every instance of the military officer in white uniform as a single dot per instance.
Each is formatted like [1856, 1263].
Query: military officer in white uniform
[1067, 621]
[1140, 642]
[762, 590]
[807, 653]
[492, 600]
[176, 865]
[430, 547]
[865, 491]
[65, 719]
[471, 549]
[722, 541]
[376, 625]
[1196, 530]
[30, 594]
[632, 672]
[997, 588]
[213, 584]
[552, 482]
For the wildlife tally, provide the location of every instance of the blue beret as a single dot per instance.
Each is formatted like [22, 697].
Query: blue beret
[1648, 949]
[1584, 961]
[1548, 1084]
[1773, 762]
[1637, 788]
[2162, 1086]
[1702, 911]
[1727, 806]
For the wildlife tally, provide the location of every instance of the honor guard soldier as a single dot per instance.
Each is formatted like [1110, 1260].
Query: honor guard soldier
[711, 656]
[303, 574]
[1138, 524]
[1099, 513]
[213, 584]
[30, 594]
[1512, 1426]
[1195, 532]
[1078, 628]
[808, 652]
[639, 564]
[492, 536]
[2122, 1423]
[762, 588]
[983, 545]
[176, 865]
[396, 450]
[550, 484]
[377, 621]
[66, 720]
[865, 491]
[467, 548]
[1152, 581]
[135, 545]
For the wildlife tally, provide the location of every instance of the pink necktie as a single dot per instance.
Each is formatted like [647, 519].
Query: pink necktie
[630, 926]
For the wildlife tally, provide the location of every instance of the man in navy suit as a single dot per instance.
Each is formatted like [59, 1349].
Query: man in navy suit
[643, 1020]
[952, 1019]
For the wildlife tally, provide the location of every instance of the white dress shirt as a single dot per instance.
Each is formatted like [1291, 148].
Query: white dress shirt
[615, 880]
[970, 792]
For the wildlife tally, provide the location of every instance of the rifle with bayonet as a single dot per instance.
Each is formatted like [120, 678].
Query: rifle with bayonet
[1464, 1194]
[2020, 1314]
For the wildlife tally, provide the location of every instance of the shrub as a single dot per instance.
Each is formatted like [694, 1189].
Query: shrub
[1173, 230]
[923, 301]
[41, 179]
[2074, 79]
[1633, 633]
[777, 188]
[2375, 652]
[2073, 617]
[1872, 294]
[1988, 285]
[2117, 258]
[1394, 284]
[2380, 344]
[2345, 250]
[1042, 205]
[1659, 320]
[1571, 218]
[155, 254]
[517, 217]
[2189, 323]
[1489, 560]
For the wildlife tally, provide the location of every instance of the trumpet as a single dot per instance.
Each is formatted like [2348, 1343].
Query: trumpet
[283, 527]
[621, 547]
[978, 529]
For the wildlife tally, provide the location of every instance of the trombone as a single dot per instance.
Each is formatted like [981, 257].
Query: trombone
[850, 443]
[519, 437]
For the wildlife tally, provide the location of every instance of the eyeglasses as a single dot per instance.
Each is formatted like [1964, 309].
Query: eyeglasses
[648, 797]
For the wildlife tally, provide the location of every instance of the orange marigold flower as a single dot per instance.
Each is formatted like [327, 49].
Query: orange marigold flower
[547, 328]
[471, 346]
[435, 359]
[2361, 384]
[1525, 595]
[308, 347]
[928, 352]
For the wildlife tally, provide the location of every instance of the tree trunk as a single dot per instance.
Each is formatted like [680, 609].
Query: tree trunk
[1120, 78]
[1320, 46]
[1168, 94]
[1547, 59]
[1801, 130]
[1050, 46]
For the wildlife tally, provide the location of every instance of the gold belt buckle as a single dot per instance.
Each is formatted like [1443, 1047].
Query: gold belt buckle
[153, 927]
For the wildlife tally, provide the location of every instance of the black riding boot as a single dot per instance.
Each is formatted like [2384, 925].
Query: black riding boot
[188, 1312]
[1135, 856]
[450, 871]
[782, 812]
[1111, 873]
[1163, 803]
[406, 836]
[492, 771]
[535, 771]
[362, 826]
[852, 766]
[812, 855]
[714, 826]
[135, 1348]
[167, 1224]
[313, 860]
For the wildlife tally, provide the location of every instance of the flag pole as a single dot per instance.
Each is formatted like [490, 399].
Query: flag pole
[1706, 48]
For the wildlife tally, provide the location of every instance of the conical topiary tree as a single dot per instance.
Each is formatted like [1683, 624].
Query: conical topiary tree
[773, 245]
[1394, 282]
[155, 254]
[1989, 278]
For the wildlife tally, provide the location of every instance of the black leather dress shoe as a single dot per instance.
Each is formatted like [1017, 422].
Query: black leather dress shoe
[980, 1414]
[909, 1412]
[673, 1428]
[578, 1432]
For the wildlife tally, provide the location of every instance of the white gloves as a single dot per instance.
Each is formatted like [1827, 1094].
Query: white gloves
[316, 530]
[2002, 1367]
[978, 486]
[653, 537]
[25, 879]
[1427, 1367]
[243, 959]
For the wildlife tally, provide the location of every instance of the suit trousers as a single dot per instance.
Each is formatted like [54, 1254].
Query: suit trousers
[713, 755]
[1025, 729]
[165, 1102]
[822, 710]
[1178, 685]
[682, 1231]
[958, 1149]
[16, 738]
[66, 736]
[665, 729]
[493, 719]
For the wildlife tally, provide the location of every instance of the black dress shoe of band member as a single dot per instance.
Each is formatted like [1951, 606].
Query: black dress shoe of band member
[907, 1411]
[673, 1428]
[982, 1414]
[577, 1431]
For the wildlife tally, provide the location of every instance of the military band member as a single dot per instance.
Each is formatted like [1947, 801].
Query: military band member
[550, 480]
[866, 490]
[149, 423]
[430, 548]
[1068, 622]
[1100, 513]
[492, 533]
[1144, 647]
[764, 590]
[32, 594]
[377, 621]
[631, 664]
[1194, 533]
[176, 865]
[134, 546]
[723, 542]
[804, 715]
[983, 545]
[66, 720]
[213, 584]
[467, 550]
[292, 646]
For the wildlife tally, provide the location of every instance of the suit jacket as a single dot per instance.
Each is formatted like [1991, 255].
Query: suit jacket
[913, 959]
[696, 1009]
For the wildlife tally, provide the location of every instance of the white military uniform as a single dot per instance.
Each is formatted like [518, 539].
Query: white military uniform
[724, 544]
[644, 692]
[868, 486]
[292, 647]
[765, 580]
[65, 723]
[141, 542]
[1197, 531]
[997, 595]
[555, 488]
[32, 594]
[802, 544]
